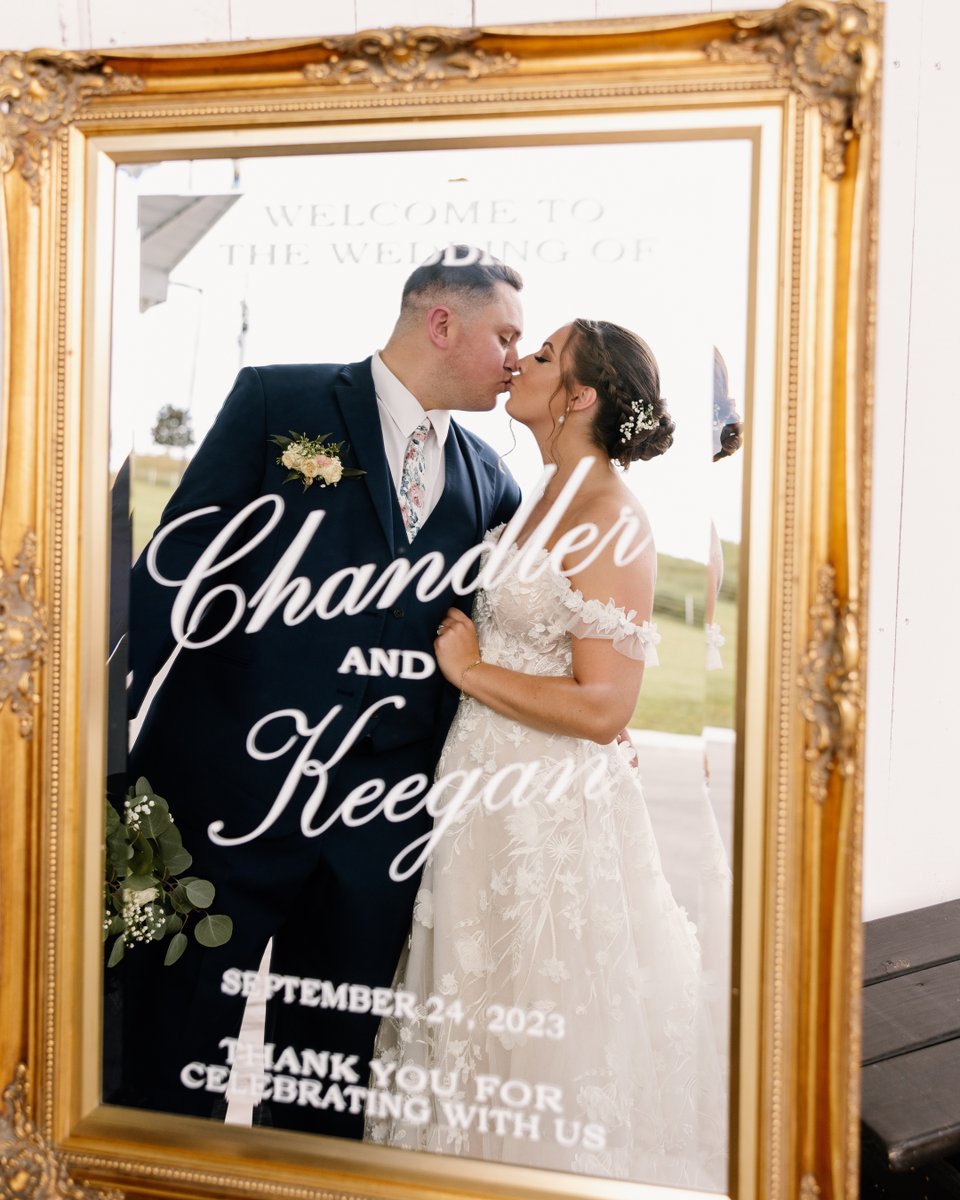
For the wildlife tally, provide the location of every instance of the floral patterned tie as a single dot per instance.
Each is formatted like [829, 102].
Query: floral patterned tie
[412, 497]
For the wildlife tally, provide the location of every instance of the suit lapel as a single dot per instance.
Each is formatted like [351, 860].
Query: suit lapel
[357, 400]
[469, 476]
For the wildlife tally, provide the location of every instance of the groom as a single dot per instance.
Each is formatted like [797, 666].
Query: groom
[241, 720]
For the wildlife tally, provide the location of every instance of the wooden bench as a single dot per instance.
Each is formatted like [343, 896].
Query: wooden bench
[911, 1055]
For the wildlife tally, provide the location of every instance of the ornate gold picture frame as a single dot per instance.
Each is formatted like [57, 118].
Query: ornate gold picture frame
[802, 81]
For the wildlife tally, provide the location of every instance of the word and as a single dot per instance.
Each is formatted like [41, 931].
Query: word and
[405, 664]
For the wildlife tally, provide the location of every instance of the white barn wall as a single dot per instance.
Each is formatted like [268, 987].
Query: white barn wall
[912, 822]
[913, 819]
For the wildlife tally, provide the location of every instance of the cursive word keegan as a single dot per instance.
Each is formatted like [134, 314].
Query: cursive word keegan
[448, 798]
[356, 588]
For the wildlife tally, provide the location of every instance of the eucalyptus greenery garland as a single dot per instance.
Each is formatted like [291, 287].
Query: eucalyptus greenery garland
[147, 897]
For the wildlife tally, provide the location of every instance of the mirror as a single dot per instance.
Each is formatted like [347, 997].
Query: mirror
[293, 257]
[270, 942]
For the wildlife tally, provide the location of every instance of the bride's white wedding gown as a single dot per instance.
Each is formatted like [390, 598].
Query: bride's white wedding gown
[547, 948]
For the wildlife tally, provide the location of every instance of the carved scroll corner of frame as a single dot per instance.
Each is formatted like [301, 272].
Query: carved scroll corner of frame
[29, 1167]
[42, 92]
[826, 51]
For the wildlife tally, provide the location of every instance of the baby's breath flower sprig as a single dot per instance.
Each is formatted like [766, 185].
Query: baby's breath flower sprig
[313, 460]
[642, 420]
[147, 897]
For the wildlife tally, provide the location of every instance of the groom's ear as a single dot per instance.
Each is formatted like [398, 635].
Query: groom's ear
[438, 326]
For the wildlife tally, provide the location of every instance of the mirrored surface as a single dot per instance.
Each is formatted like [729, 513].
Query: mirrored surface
[224, 264]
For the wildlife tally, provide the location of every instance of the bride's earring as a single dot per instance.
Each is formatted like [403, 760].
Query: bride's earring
[563, 415]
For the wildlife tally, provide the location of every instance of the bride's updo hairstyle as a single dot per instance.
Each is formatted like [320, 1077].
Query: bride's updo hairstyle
[632, 421]
[727, 423]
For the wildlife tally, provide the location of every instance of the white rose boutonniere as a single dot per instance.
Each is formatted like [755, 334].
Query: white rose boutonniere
[314, 460]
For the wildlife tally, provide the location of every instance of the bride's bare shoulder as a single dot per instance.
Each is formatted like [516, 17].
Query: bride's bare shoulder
[615, 504]
[620, 562]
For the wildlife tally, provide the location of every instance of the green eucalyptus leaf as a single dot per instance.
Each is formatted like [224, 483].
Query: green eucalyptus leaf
[214, 930]
[169, 839]
[119, 850]
[139, 883]
[178, 861]
[200, 892]
[155, 822]
[178, 900]
[152, 856]
[142, 861]
[178, 943]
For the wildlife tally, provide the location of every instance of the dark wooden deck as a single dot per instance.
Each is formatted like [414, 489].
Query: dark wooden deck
[911, 1054]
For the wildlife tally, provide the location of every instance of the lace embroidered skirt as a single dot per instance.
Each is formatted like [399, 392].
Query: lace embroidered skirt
[556, 1013]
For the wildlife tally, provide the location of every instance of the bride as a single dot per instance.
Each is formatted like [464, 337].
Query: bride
[558, 1018]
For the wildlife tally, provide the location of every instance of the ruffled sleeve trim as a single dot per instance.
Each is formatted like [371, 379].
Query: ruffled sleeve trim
[715, 640]
[593, 619]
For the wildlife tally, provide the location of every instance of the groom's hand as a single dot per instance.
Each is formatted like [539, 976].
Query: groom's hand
[456, 646]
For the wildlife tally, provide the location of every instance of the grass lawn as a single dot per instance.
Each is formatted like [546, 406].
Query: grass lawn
[680, 696]
[154, 479]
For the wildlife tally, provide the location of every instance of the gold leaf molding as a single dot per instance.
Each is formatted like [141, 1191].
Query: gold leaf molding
[830, 686]
[29, 1169]
[41, 92]
[826, 51]
[23, 633]
[404, 59]
[809, 1188]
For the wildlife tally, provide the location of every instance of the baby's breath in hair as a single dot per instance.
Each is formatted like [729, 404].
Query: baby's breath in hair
[642, 420]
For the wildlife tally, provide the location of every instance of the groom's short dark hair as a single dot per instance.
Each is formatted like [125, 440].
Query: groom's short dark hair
[467, 270]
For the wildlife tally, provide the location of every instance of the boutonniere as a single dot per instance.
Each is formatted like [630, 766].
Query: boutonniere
[313, 460]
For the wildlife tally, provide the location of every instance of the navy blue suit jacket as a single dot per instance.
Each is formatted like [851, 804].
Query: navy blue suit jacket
[192, 746]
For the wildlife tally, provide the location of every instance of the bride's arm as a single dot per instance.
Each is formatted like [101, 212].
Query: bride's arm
[599, 700]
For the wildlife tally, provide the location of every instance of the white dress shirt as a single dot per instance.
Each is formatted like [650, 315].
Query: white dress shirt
[400, 414]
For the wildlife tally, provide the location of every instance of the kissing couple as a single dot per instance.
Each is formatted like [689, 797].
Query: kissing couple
[556, 908]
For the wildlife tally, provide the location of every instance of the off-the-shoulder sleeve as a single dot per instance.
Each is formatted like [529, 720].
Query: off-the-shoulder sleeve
[593, 619]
